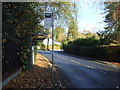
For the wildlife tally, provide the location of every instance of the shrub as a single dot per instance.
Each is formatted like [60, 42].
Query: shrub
[109, 53]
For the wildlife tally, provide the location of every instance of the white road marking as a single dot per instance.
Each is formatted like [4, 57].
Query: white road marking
[66, 57]
[96, 62]
[87, 66]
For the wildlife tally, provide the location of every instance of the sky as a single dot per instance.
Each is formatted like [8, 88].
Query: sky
[90, 15]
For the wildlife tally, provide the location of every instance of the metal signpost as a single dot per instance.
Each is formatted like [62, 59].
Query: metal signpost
[52, 46]
[48, 23]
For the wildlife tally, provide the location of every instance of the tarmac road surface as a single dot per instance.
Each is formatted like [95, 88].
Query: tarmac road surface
[84, 73]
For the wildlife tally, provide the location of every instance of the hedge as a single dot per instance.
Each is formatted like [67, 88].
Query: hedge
[109, 53]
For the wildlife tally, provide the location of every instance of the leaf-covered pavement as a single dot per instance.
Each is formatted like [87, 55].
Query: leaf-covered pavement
[38, 77]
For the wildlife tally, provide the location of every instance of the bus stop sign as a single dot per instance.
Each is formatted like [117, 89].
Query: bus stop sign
[47, 19]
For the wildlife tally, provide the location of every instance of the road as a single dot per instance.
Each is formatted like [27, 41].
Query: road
[86, 73]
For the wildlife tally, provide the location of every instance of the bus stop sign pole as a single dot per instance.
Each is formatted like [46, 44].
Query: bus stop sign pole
[52, 47]
[48, 23]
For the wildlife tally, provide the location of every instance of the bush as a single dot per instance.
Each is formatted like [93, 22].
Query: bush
[91, 41]
[109, 53]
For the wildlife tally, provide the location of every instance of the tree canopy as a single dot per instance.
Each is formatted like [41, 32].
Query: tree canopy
[19, 21]
[60, 34]
[72, 30]
[112, 31]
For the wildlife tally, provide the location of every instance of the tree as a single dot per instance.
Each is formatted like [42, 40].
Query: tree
[72, 30]
[64, 12]
[60, 34]
[18, 23]
[112, 31]
[81, 35]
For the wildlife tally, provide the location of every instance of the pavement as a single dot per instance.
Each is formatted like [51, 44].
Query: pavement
[83, 73]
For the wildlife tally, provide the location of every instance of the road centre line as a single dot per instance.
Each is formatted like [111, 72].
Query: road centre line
[87, 66]
[80, 63]
[77, 59]
[83, 64]
[96, 62]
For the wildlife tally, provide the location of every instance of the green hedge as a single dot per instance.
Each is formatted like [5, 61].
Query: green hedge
[109, 53]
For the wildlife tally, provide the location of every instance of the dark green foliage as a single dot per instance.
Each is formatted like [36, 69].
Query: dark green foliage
[17, 26]
[111, 35]
[59, 34]
[72, 30]
[91, 47]
[90, 41]
[108, 53]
